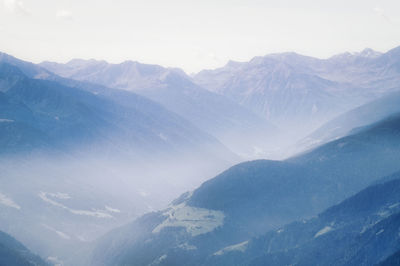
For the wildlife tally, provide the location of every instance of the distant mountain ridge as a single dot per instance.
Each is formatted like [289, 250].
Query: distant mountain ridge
[343, 125]
[95, 115]
[108, 152]
[288, 90]
[213, 113]
[302, 92]
[174, 130]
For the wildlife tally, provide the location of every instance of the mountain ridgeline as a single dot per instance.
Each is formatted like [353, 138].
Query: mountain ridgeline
[254, 197]
[67, 116]
[361, 230]
[286, 160]
[344, 124]
[213, 113]
[302, 92]
[97, 147]
[13, 252]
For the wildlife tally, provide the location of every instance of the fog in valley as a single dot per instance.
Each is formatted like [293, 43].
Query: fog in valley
[139, 137]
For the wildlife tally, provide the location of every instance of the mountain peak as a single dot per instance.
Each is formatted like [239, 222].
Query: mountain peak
[370, 53]
[4, 57]
[366, 53]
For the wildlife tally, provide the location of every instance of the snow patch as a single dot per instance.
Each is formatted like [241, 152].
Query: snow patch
[163, 137]
[196, 221]
[108, 208]
[63, 235]
[364, 229]
[59, 195]
[4, 200]
[94, 213]
[394, 205]
[3, 120]
[342, 144]
[186, 246]
[159, 260]
[384, 213]
[314, 109]
[324, 230]
[82, 239]
[367, 227]
[238, 247]
[59, 233]
[55, 261]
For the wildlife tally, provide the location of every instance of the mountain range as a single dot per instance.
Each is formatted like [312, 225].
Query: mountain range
[255, 197]
[96, 145]
[101, 149]
[213, 113]
[344, 124]
[70, 114]
[361, 230]
[302, 92]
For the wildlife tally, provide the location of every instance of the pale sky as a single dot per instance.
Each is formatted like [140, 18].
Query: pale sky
[193, 35]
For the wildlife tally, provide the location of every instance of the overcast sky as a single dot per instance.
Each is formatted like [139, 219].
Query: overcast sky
[193, 35]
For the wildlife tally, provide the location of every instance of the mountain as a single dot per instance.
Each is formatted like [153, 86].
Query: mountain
[13, 253]
[393, 260]
[28, 68]
[172, 88]
[38, 113]
[277, 90]
[361, 230]
[254, 197]
[77, 159]
[67, 115]
[301, 92]
[361, 116]
[224, 210]
[376, 74]
[367, 154]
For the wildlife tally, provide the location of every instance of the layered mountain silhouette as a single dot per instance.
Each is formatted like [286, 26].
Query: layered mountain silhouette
[13, 252]
[213, 113]
[392, 260]
[296, 91]
[253, 197]
[344, 124]
[362, 230]
[96, 145]
[67, 116]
